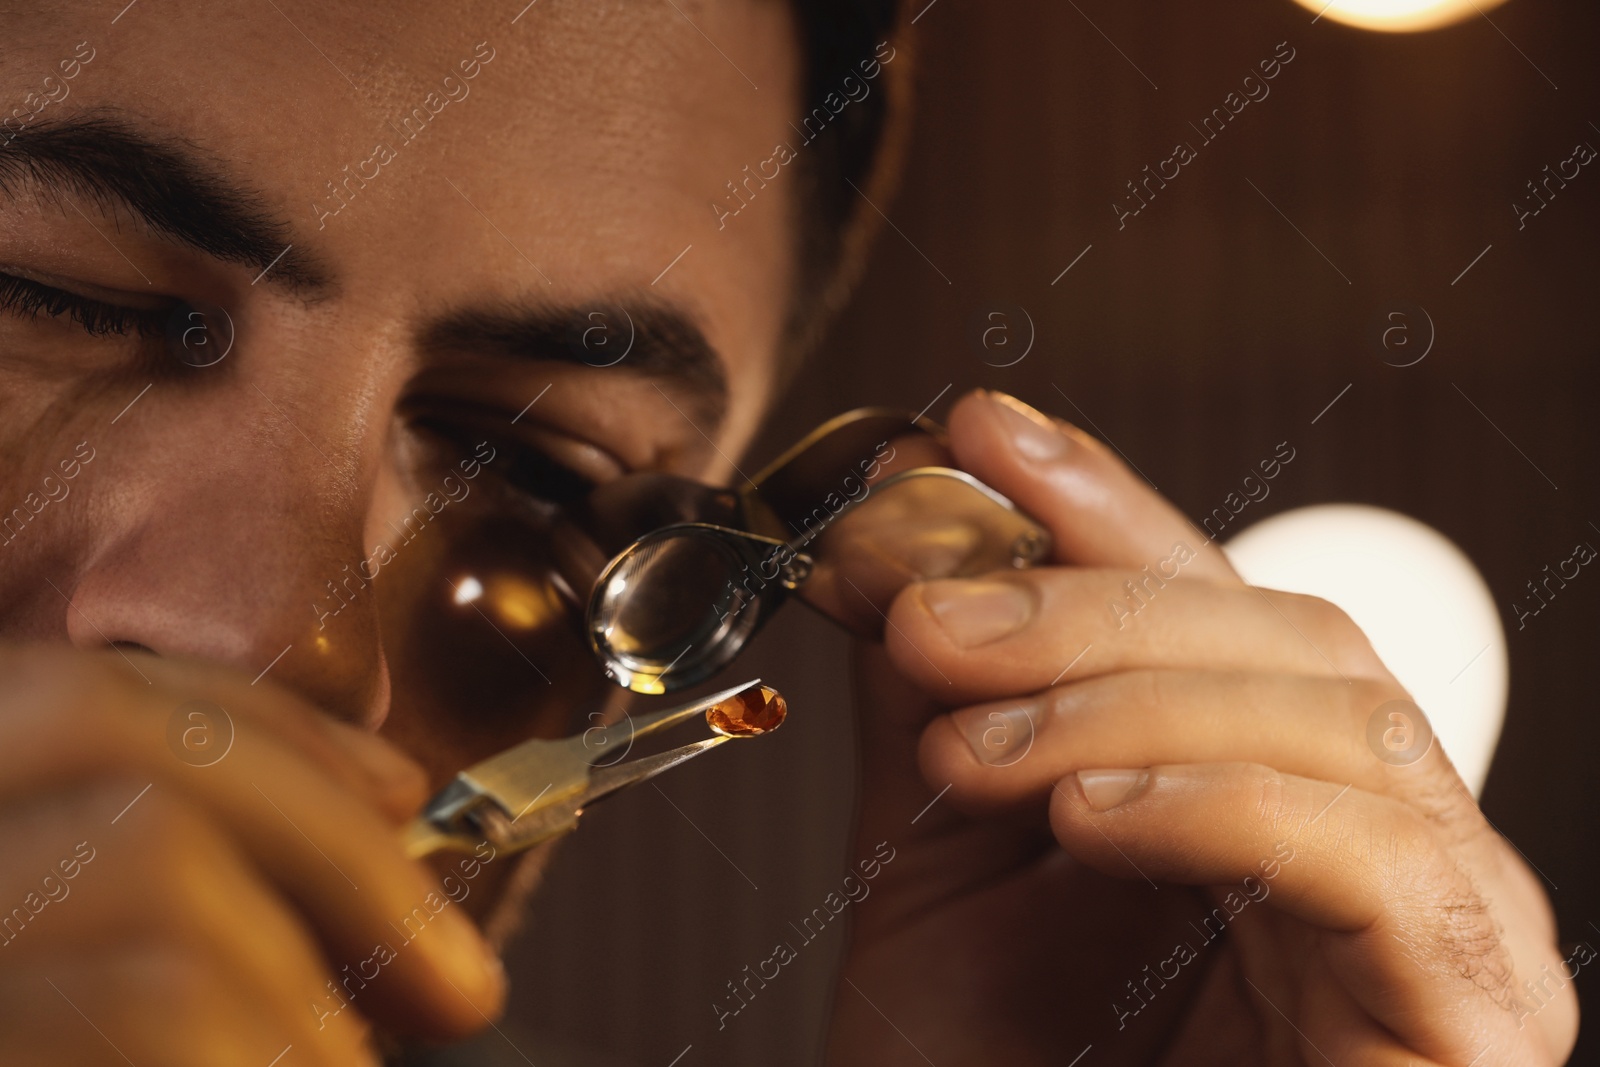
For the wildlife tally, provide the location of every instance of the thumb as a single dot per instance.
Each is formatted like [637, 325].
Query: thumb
[941, 851]
[891, 715]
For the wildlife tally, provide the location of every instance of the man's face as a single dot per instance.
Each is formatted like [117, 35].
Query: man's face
[419, 219]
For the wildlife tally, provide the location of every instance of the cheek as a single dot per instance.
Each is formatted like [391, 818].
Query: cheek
[44, 517]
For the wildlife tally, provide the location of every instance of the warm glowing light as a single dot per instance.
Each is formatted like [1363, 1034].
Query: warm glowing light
[518, 604]
[1420, 601]
[468, 590]
[1398, 16]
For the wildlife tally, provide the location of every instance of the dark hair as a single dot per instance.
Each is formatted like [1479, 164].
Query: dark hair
[859, 146]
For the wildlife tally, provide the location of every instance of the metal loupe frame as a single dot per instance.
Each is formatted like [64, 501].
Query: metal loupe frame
[781, 494]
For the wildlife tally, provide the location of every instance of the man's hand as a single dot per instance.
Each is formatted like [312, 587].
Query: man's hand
[1100, 762]
[158, 912]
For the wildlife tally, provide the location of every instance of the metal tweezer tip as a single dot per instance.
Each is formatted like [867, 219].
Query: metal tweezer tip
[536, 790]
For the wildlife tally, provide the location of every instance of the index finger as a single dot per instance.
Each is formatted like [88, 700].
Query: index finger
[317, 837]
[1099, 512]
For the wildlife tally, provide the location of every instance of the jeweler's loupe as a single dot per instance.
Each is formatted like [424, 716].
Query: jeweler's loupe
[861, 507]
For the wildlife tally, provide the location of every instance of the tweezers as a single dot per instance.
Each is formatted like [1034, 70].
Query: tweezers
[536, 790]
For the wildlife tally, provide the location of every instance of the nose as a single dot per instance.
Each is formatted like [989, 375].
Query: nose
[228, 536]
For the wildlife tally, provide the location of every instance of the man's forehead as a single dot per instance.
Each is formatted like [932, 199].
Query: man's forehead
[292, 85]
[559, 149]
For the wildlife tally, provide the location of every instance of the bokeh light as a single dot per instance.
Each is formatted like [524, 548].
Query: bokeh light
[1398, 16]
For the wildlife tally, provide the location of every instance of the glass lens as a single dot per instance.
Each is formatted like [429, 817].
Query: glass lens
[484, 647]
[924, 523]
[483, 605]
[681, 600]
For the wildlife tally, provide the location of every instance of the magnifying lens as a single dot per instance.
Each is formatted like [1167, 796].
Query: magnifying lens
[503, 602]
[842, 520]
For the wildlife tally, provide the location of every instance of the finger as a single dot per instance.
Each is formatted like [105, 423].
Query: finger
[898, 814]
[893, 793]
[127, 1007]
[202, 705]
[174, 902]
[1404, 928]
[1341, 1030]
[372, 909]
[1338, 1032]
[1007, 753]
[1224, 1017]
[325, 848]
[362, 760]
[151, 1005]
[1016, 632]
[1100, 513]
[1004, 753]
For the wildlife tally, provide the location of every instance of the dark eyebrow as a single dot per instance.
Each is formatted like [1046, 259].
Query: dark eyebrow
[666, 342]
[175, 187]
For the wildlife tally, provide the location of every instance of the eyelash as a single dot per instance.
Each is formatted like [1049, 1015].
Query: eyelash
[523, 469]
[531, 472]
[29, 299]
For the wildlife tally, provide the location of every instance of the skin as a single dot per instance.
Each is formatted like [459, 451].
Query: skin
[216, 509]
[216, 902]
[1213, 744]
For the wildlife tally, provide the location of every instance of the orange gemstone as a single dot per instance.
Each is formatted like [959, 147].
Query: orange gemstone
[754, 711]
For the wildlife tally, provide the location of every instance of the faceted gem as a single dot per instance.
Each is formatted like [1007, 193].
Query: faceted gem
[754, 711]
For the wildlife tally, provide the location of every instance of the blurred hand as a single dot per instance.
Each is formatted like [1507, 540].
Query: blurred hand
[156, 911]
[1165, 833]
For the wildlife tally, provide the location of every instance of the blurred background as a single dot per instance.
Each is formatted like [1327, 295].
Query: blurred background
[1379, 176]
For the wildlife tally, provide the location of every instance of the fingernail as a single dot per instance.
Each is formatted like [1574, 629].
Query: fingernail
[974, 613]
[1031, 432]
[1105, 789]
[1000, 737]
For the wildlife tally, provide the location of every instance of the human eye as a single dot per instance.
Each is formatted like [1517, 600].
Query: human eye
[533, 467]
[530, 463]
[29, 300]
